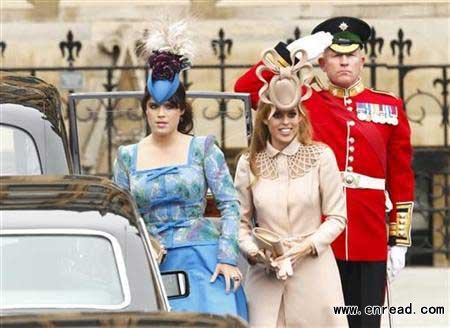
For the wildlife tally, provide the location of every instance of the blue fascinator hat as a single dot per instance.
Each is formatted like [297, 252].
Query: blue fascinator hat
[162, 90]
[168, 51]
[164, 78]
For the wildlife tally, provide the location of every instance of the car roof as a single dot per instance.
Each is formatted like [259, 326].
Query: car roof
[31, 91]
[70, 192]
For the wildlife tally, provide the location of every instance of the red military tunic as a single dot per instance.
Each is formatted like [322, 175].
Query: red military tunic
[375, 150]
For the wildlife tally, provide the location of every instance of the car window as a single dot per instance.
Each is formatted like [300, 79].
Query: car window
[61, 269]
[18, 153]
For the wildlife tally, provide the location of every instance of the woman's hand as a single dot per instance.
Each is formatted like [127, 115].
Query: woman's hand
[229, 272]
[297, 251]
[260, 256]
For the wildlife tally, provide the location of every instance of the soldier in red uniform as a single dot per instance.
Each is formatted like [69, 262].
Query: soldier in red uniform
[370, 135]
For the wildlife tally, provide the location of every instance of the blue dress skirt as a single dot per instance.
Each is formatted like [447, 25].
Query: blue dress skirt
[199, 262]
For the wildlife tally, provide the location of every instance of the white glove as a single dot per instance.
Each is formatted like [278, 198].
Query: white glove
[283, 268]
[314, 44]
[396, 261]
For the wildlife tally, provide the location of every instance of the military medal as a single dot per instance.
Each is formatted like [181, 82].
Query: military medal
[362, 116]
[377, 113]
[393, 114]
[362, 112]
[382, 114]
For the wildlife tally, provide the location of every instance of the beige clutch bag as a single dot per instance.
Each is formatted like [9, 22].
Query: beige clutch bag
[268, 240]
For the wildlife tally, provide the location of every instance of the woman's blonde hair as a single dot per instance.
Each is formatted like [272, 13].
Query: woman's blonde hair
[261, 133]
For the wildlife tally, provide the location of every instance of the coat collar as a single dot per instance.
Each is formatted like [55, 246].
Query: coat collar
[355, 89]
[289, 150]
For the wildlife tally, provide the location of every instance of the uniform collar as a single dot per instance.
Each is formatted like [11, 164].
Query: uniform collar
[351, 91]
[289, 150]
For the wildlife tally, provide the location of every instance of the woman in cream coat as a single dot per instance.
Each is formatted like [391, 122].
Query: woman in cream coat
[292, 186]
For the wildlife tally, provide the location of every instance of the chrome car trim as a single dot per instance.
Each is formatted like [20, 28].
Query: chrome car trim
[159, 286]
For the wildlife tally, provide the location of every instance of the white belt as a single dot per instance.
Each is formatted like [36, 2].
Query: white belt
[360, 181]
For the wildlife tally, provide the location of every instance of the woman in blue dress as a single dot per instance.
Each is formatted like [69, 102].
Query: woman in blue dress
[168, 173]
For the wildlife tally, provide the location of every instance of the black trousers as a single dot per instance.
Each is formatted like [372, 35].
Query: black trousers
[363, 284]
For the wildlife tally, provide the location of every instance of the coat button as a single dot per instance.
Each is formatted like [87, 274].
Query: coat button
[351, 140]
[350, 158]
[350, 169]
[349, 108]
[351, 123]
[351, 149]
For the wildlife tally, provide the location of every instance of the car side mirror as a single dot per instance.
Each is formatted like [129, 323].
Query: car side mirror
[176, 284]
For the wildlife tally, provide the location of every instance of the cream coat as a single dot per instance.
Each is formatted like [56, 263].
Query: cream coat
[298, 185]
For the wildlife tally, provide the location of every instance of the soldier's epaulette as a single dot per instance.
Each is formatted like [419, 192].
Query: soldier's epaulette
[387, 93]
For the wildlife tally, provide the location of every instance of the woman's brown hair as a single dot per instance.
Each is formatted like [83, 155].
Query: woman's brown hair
[261, 133]
[186, 124]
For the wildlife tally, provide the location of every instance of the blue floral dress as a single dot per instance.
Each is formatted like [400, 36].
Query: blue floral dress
[171, 200]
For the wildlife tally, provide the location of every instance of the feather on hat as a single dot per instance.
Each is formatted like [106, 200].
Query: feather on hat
[168, 51]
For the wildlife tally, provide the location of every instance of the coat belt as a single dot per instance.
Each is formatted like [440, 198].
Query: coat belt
[361, 181]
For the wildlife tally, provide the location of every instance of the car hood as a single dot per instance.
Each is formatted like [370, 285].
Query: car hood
[123, 319]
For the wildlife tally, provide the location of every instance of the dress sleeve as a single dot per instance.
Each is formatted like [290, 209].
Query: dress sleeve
[245, 197]
[221, 184]
[121, 168]
[332, 202]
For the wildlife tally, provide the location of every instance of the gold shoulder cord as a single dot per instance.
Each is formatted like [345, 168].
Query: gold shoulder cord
[400, 230]
[386, 93]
